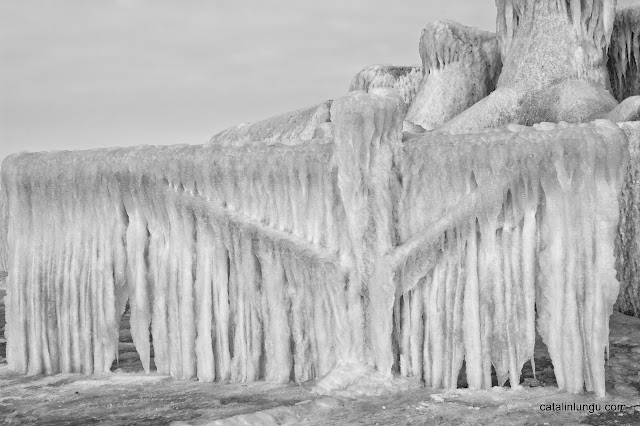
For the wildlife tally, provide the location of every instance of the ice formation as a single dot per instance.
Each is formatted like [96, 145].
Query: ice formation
[301, 124]
[558, 26]
[624, 53]
[327, 242]
[461, 65]
[553, 64]
[628, 243]
[405, 80]
[284, 261]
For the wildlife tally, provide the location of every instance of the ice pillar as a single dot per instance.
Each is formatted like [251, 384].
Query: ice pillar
[368, 135]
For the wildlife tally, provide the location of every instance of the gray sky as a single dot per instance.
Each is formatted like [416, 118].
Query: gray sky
[77, 74]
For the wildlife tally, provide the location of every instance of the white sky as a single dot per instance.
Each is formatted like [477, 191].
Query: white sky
[77, 74]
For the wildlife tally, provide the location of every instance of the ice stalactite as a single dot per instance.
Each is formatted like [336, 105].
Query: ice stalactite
[404, 79]
[628, 241]
[624, 53]
[302, 124]
[532, 216]
[460, 64]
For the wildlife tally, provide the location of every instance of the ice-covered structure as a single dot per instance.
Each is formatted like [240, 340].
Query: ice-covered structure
[461, 66]
[327, 239]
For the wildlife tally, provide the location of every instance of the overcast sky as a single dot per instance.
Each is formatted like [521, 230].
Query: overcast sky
[79, 74]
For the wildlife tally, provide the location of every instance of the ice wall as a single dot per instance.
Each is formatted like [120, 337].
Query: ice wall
[628, 242]
[405, 80]
[460, 64]
[301, 124]
[491, 222]
[624, 53]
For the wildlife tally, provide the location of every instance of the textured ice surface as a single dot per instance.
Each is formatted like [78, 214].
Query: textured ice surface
[405, 80]
[286, 261]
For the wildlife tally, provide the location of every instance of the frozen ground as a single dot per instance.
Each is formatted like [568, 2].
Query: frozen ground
[128, 396]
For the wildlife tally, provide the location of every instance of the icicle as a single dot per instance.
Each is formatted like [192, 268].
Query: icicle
[471, 319]
[221, 283]
[416, 338]
[139, 299]
[204, 302]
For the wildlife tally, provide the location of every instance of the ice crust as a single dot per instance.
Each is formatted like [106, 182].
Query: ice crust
[624, 53]
[285, 261]
[405, 80]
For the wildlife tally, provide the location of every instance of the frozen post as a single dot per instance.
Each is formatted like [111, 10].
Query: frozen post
[368, 137]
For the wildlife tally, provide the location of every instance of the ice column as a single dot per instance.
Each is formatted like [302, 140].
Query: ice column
[368, 133]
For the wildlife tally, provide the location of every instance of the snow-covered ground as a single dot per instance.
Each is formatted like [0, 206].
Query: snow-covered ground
[128, 396]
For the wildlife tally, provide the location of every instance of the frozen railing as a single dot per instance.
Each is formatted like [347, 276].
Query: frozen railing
[239, 260]
[185, 234]
[282, 260]
[491, 223]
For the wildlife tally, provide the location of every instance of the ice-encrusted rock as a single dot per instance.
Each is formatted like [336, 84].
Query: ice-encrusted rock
[461, 65]
[404, 79]
[300, 124]
[624, 53]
